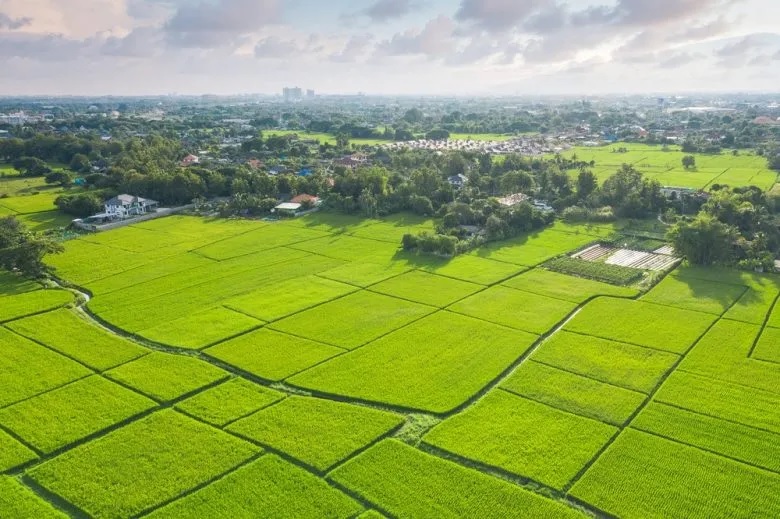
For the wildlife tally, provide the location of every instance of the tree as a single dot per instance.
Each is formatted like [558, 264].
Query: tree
[438, 134]
[80, 205]
[22, 250]
[31, 167]
[586, 183]
[413, 116]
[704, 241]
[516, 182]
[58, 177]
[689, 162]
[80, 163]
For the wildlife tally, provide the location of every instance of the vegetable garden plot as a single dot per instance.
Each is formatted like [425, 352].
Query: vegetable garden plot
[429, 289]
[560, 286]
[320, 433]
[64, 331]
[515, 308]
[165, 377]
[644, 476]
[288, 297]
[752, 407]
[434, 364]
[353, 320]
[198, 330]
[681, 291]
[595, 270]
[16, 500]
[723, 354]
[267, 488]
[409, 483]
[229, 401]
[523, 437]
[624, 365]
[646, 324]
[144, 464]
[28, 303]
[573, 393]
[748, 444]
[272, 355]
[72, 412]
[768, 347]
[261, 239]
[27, 369]
[12, 454]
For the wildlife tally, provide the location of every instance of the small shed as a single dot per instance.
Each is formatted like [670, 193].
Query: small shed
[287, 209]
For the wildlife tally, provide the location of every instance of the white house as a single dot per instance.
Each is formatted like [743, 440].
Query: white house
[123, 206]
[458, 181]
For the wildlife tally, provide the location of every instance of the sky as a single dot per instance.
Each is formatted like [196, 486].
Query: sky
[393, 47]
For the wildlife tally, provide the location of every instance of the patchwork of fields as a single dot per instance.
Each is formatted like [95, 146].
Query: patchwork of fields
[31, 200]
[310, 368]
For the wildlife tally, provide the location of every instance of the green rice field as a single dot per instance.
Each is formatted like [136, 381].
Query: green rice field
[310, 368]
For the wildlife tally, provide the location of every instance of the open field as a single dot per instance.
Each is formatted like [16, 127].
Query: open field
[309, 368]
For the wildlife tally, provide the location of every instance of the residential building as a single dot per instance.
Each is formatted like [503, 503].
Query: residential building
[190, 160]
[124, 206]
[458, 181]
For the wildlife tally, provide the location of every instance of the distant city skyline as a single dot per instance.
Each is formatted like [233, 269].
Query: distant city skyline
[388, 47]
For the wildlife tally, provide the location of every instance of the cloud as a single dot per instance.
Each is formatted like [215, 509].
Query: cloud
[142, 42]
[355, 48]
[214, 24]
[680, 60]
[6, 22]
[274, 47]
[743, 46]
[435, 40]
[385, 10]
[495, 15]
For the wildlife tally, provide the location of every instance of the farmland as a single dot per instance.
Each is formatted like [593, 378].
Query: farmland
[311, 368]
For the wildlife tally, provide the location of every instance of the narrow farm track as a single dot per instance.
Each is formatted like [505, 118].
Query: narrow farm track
[526, 483]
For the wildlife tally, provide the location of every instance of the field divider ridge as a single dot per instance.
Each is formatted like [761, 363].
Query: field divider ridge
[767, 317]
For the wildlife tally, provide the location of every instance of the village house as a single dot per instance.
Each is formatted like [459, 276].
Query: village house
[124, 206]
[514, 199]
[458, 181]
[190, 160]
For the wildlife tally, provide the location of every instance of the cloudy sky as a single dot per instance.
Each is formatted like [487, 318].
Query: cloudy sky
[460, 47]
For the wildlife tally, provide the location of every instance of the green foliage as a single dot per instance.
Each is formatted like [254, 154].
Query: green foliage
[573, 393]
[624, 365]
[523, 437]
[23, 251]
[631, 195]
[269, 487]
[166, 377]
[80, 205]
[272, 355]
[142, 465]
[445, 359]
[409, 483]
[319, 433]
[643, 476]
[703, 241]
[57, 418]
[228, 402]
[64, 331]
[635, 322]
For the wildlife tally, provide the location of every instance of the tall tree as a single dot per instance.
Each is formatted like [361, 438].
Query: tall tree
[22, 250]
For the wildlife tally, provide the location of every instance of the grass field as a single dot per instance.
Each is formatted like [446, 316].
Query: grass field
[310, 368]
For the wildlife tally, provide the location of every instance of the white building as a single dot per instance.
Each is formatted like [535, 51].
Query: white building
[123, 206]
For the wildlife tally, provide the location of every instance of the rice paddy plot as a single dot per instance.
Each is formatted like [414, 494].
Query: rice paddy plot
[27, 368]
[723, 354]
[165, 377]
[349, 248]
[282, 299]
[469, 268]
[363, 274]
[16, 500]
[12, 284]
[561, 286]
[198, 330]
[425, 288]
[694, 294]
[616, 363]
[267, 488]
[523, 437]
[70, 413]
[515, 308]
[142, 465]
[272, 355]
[229, 401]
[531, 250]
[406, 482]
[331, 222]
[755, 304]
[27, 204]
[393, 228]
[29, 303]
[74, 337]
[44, 221]
[259, 239]
[573, 393]
[77, 264]
[12, 454]
[774, 317]
[434, 365]
[723, 400]
[353, 320]
[319, 433]
[747, 444]
[644, 476]
[768, 346]
[645, 324]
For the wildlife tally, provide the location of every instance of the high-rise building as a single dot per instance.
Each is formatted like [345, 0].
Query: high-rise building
[310, 94]
[292, 94]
